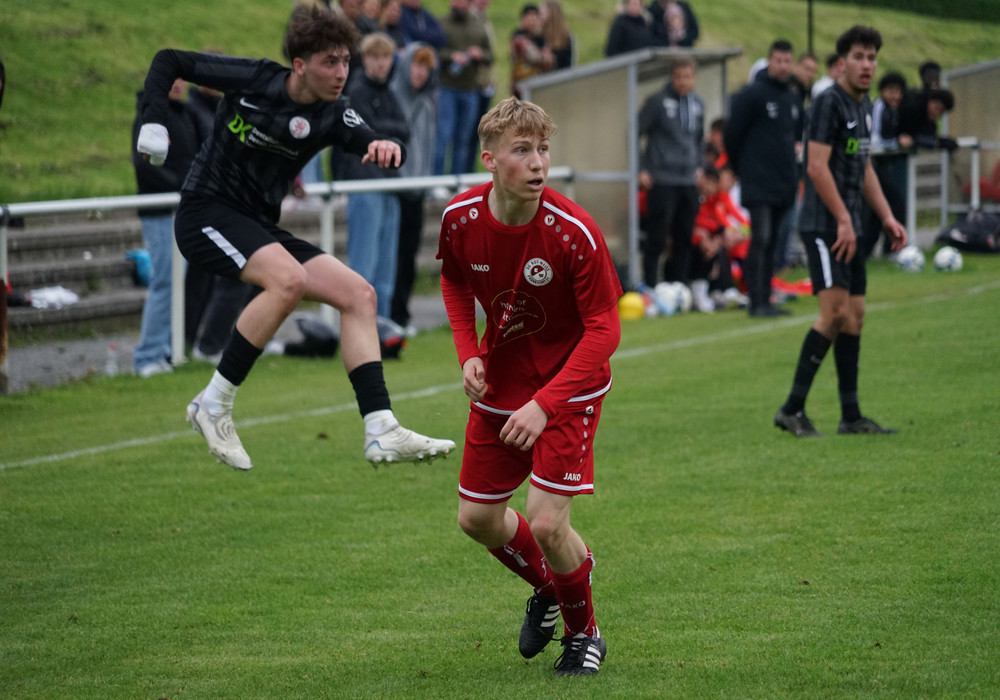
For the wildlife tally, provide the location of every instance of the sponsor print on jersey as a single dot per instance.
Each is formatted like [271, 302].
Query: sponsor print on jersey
[240, 128]
[516, 315]
[538, 272]
[352, 118]
[299, 127]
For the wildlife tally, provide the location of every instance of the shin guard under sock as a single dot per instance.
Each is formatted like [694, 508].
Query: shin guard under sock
[522, 556]
[574, 595]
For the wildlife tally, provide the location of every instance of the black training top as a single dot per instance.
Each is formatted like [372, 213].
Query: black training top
[843, 123]
[261, 138]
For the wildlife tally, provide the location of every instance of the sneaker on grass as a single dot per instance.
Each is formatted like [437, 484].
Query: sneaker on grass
[864, 426]
[798, 424]
[220, 434]
[581, 656]
[539, 625]
[403, 445]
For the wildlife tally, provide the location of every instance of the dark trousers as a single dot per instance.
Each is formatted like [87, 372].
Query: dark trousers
[211, 306]
[765, 232]
[716, 270]
[670, 213]
[411, 224]
[891, 173]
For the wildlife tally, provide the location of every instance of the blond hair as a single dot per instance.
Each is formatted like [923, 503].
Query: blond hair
[516, 116]
[377, 44]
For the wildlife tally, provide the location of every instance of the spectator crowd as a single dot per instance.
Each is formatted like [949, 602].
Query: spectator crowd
[719, 201]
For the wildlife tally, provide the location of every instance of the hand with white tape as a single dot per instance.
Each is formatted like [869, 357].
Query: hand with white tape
[153, 142]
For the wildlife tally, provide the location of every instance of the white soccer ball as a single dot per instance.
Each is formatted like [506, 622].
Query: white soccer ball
[910, 258]
[948, 259]
[684, 298]
[666, 301]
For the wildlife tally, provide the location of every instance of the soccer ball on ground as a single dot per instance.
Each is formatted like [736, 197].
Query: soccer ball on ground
[910, 258]
[948, 259]
[683, 297]
[666, 300]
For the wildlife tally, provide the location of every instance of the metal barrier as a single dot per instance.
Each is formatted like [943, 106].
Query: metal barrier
[325, 190]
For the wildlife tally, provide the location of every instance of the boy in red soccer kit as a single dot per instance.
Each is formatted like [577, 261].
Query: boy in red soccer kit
[539, 267]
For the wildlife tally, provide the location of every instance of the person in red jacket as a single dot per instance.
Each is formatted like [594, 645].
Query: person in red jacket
[538, 265]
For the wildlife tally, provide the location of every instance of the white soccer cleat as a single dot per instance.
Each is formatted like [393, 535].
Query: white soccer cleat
[220, 434]
[403, 445]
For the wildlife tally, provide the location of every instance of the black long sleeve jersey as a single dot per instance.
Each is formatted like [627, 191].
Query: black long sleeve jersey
[261, 138]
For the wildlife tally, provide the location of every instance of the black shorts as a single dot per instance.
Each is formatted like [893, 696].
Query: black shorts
[220, 239]
[826, 272]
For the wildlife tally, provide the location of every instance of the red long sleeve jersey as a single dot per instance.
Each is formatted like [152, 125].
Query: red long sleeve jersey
[539, 284]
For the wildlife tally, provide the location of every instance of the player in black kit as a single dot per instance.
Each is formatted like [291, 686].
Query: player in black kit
[272, 119]
[840, 175]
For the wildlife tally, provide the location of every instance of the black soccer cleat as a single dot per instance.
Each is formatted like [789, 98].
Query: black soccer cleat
[798, 424]
[581, 656]
[863, 426]
[539, 625]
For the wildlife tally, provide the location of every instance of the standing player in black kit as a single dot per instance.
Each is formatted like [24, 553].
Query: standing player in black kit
[271, 121]
[840, 175]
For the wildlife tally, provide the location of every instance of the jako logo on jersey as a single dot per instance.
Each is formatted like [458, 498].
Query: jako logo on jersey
[299, 127]
[549, 219]
[480, 268]
[352, 118]
[474, 214]
[572, 477]
[537, 272]
[240, 128]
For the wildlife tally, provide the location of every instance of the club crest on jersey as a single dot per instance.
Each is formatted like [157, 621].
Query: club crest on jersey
[537, 272]
[299, 127]
[550, 219]
[473, 213]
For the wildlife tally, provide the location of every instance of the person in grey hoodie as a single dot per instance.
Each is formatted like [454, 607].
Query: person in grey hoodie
[414, 83]
[673, 123]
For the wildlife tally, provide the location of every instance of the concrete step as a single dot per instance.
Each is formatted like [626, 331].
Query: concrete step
[122, 306]
[83, 276]
[72, 241]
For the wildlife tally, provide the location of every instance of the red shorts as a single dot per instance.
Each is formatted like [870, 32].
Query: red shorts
[561, 460]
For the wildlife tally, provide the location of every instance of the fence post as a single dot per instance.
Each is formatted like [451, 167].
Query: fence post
[178, 267]
[4, 383]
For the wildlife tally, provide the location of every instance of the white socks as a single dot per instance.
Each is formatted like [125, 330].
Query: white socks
[219, 395]
[380, 422]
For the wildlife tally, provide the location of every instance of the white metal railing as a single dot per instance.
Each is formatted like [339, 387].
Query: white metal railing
[325, 190]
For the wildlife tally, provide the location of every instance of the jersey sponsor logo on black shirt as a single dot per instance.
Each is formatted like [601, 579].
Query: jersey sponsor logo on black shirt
[240, 128]
[352, 118]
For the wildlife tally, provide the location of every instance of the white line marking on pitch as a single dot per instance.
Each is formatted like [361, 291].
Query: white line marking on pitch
[457, 386]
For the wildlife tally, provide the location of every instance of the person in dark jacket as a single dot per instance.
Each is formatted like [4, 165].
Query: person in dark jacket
[762, 135]
[414, 83]
[919, 113]
[373, 217]
[674, 23]
[630, 30]
[152, 354]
